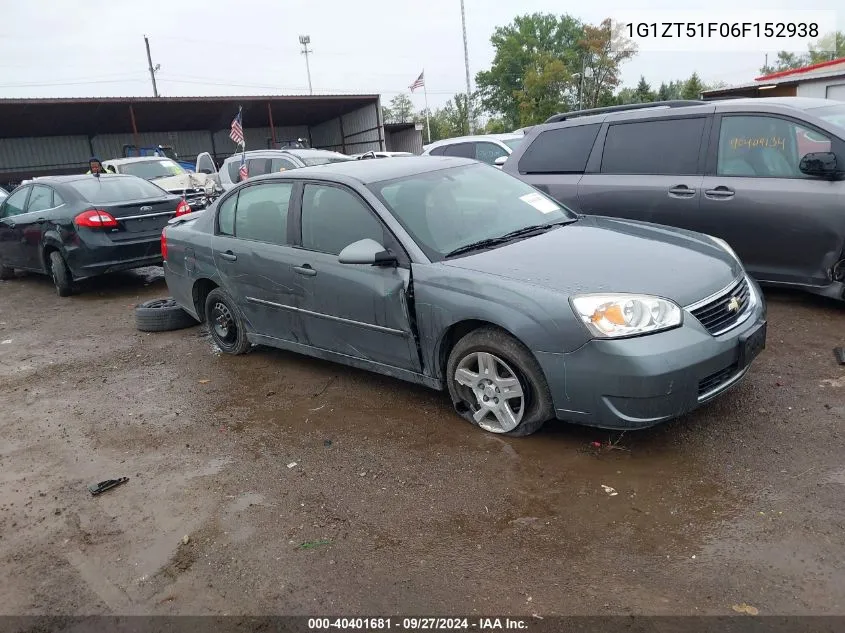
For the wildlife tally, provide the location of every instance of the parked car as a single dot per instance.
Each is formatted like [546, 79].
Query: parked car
[268, 161]
[73, 227]
[452, 274]
[492, 149]
[197, 189]
[766, 175]
[368, 155]
[163, 151]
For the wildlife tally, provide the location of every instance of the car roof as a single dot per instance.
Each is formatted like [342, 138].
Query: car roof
[58, 180]
[301, 153]
[371, 171]
[475, 137]
[135, 159]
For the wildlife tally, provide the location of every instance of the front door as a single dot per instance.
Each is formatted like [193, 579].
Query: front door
[650, 171]
[355, 310]
[784, 225]
[12, 252]
[255, 258]
[31, 224]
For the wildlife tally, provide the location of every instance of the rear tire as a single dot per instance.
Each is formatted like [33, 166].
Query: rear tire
[497, 384]
[61, 275]
[162, 315]
[226, 323]
[6, 273]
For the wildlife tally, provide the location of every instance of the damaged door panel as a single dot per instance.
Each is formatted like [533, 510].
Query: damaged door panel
[357, 311]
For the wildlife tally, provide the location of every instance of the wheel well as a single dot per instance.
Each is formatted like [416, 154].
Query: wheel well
[454, 334]
[201, 289]
[45, 256]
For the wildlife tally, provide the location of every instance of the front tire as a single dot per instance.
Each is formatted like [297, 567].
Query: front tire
[226, 323]
[61, 275]
[497, 384]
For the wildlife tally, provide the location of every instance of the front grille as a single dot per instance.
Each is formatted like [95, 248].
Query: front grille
[715, 379]
[723, 312]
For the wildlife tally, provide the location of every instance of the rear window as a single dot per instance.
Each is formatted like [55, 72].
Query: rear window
[325, 160]
[106, 189]
[561, 151]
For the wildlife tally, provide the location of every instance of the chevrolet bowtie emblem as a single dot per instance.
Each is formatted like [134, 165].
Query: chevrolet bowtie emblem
[733, 304]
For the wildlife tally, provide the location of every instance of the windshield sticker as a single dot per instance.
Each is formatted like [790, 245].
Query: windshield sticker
[541, 203]
[773, 142]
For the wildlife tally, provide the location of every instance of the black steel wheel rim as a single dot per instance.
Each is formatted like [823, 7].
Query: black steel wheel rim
[225, 328]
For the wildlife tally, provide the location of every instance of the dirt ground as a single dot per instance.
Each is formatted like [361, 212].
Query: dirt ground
[275, 484]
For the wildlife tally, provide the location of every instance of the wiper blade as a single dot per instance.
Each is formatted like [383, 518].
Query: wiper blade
[475, 246]
[507, 237]
[535, 228]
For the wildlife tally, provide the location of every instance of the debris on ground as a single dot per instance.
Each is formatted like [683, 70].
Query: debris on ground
[292, 465]
[108, 484]
[838, 352]
[610, 491]
[186, 539]
[745, 608]
[6, 342]
[313, 544]
[318, 408]
[327, 443]
[204, 381]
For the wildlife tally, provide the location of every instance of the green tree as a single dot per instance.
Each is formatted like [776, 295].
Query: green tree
[830, 46]
[544, 91]
[603, 50]
[496, 125]
[401, 109]
[692, 87]
[626, 96]
[524, 51]
[643, 92]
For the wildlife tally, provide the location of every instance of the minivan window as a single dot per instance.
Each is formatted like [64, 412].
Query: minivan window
[665, 147]
[108, 189]
[832, 114]
[561, 151]
[765, 147]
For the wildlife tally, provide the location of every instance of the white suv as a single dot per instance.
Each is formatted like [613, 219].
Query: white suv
[492, 149]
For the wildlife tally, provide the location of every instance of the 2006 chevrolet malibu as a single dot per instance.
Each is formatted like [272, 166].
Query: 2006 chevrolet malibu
[449, 273]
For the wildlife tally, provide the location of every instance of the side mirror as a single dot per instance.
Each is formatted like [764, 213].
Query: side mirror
[366, 252]
[500, 161]
[822, 164]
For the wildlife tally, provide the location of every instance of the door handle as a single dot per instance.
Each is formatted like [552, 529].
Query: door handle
[720, 193]
[229, 256]
[306, 270]
[681, 191]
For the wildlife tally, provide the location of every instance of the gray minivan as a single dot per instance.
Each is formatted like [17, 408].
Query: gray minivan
[766, 175]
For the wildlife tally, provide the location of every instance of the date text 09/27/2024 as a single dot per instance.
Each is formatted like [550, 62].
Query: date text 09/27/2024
[418, 624]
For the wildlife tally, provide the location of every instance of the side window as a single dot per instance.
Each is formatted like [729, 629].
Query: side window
[57, 199]
[233, 168]
[765, 147]
[489, 152]
[333, 218]
[560, 151]
[464, 150]
[438, 151]
[262, 213]
[666, 147]
[41, 199]
[226, 216]
[15, 202]
[280, 164]
[257, 166]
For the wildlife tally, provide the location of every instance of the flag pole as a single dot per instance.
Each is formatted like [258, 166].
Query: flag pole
[427, 124]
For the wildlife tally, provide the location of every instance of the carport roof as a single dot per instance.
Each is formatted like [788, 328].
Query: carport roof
[59, 117]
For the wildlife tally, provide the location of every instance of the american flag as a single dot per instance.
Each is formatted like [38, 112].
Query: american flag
[237, 133]
[243, 173]
[419, 83]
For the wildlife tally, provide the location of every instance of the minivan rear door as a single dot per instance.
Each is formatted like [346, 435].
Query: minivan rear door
[785, 226]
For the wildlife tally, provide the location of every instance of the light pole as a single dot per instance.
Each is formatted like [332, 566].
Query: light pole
[466, 67]
[305, 40]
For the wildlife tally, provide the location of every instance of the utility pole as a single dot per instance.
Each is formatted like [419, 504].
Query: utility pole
[466, 66]
[305, 40]
[152, 69]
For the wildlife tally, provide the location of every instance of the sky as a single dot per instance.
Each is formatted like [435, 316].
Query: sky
[79, 48]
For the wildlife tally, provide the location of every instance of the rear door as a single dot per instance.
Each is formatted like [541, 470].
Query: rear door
[784, 225]
[254, 256]
[356, 310]
[648, 170]
[32, 222]
[11, 234]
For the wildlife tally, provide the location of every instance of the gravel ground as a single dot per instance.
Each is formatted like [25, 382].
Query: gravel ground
[273, 483]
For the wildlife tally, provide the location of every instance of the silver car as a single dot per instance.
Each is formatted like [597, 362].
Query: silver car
[455, 275]
[492, 149]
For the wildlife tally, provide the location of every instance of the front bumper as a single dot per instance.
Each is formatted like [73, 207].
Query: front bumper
[639, 382]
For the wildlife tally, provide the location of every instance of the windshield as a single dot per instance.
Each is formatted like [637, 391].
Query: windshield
[107, 189]
[513, 143]
[325, 160]
[152, 169]
[447, 209]
[832, 114]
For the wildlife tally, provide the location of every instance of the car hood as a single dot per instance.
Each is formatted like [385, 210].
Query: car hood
[177, 184]
[599, 254]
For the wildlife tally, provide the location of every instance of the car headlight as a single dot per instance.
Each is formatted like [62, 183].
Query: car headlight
[726, 246]
[615, 315]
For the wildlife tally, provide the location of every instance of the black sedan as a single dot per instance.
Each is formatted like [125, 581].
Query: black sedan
[74, 227]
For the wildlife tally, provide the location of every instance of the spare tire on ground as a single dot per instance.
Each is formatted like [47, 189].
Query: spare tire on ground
[162, 315]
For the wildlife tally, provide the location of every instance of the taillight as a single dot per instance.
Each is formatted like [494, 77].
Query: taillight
[95, 219]
[164, 244]
[182, 208]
